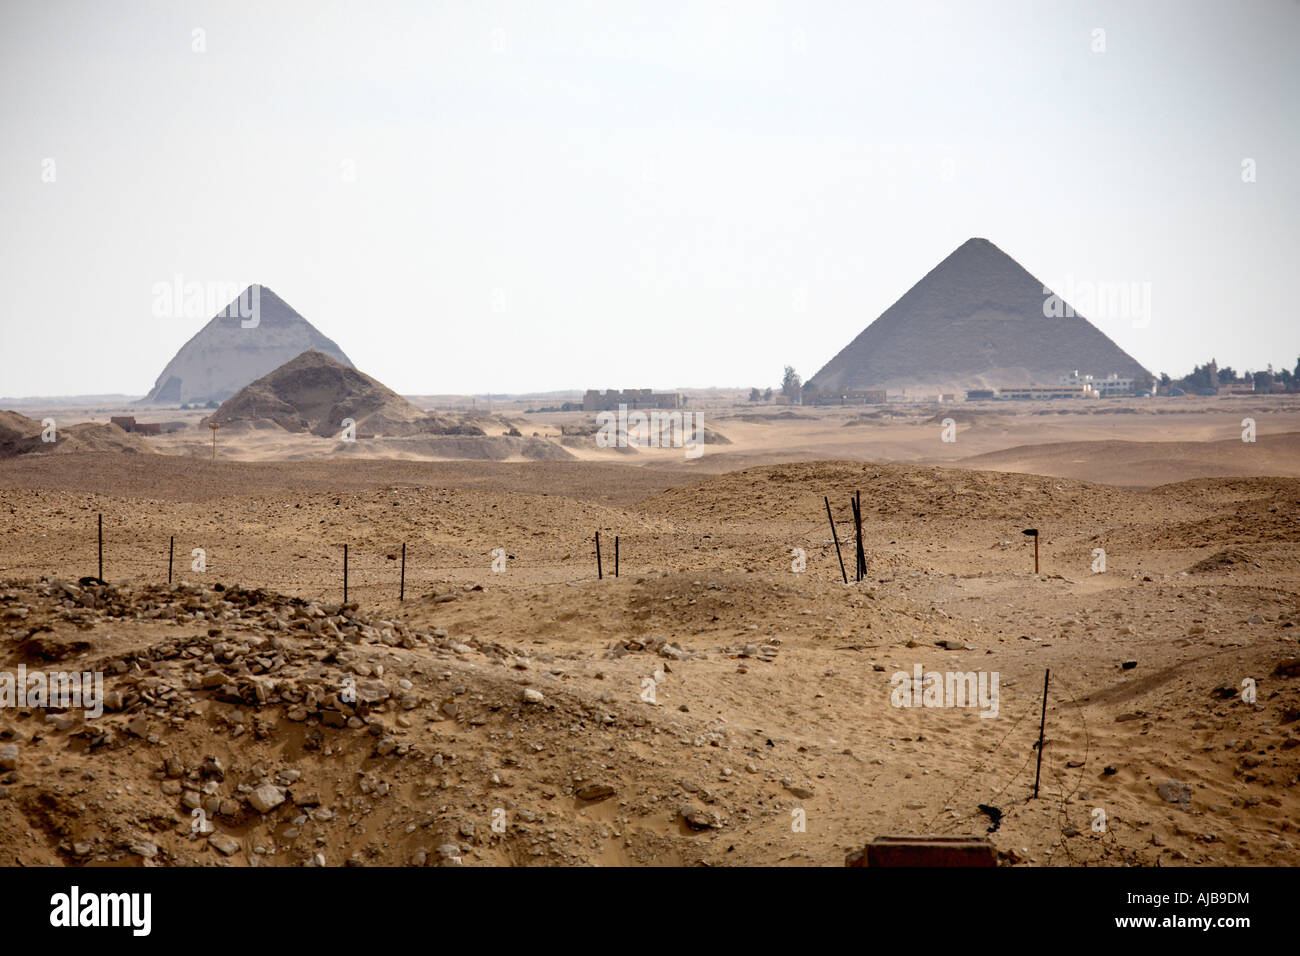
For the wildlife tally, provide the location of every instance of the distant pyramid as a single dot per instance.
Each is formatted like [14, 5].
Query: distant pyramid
[975, 321]
[314, 393]
[224, 356]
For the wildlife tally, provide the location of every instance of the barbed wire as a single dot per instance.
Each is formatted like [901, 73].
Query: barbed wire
[1056, 700]
[962, 785]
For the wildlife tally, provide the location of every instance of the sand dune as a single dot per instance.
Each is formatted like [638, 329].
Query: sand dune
[1148, 463]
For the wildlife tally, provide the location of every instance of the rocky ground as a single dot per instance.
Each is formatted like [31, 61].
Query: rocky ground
[711, 705]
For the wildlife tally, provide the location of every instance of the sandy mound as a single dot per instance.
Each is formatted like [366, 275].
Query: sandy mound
[583, 435]
[795, 491]
[316, 393]
[1148, 463]
[14, 426]
[86, 437]
[1265, 509]
[460, 447]
[1228, 560]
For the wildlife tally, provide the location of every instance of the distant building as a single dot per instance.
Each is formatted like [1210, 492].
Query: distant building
[611, 399]
[981, 394]
[1113, 385]
[1044, 392]
[867, 396]
[128, 424]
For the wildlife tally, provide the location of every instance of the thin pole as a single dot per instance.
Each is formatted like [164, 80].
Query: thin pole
[101, 547]
[1035, 554]
[171, 548]
[857, 526]
[857, 561]
[862, 552]
[345, 574]
[844, 574]
[401, 595]
[1042, 724]
[857, 522]
[615, 555]
[599, 574]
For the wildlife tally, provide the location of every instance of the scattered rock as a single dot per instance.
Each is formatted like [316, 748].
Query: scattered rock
[802, 792]
[1288, 668]
[266, 798]
[1174, 791]
[697, 818]
[224, 844]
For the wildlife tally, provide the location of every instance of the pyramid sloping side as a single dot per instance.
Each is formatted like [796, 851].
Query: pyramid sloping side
[975, 320]
[223, 356]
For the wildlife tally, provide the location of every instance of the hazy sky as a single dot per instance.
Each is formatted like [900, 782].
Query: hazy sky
[475, 197]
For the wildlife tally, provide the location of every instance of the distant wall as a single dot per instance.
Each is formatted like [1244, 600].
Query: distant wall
[611, 399]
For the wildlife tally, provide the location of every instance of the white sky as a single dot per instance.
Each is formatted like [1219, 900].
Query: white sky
[651, 187]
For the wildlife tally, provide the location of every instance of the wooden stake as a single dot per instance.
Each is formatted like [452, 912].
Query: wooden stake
[1042, 724]
[345, 574]
[1033, 533]
[401, 594]
[857, 522]
[171, 548]
[101, 547]
[844, 574]
[857, 561]
[615, 555]
[862, 553]
[599, 574]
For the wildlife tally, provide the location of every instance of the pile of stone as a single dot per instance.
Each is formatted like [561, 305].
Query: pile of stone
[764, 652]
[652, 645]
[261, 650]
[238, 606]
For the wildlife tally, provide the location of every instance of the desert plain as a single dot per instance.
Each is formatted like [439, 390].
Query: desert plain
[726, 699]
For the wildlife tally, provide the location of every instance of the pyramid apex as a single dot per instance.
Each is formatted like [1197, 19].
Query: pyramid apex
[975, 320]
[229, 352]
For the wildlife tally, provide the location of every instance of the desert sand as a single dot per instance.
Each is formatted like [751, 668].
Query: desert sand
[699, 706]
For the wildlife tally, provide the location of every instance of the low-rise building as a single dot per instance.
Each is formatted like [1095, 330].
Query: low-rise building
[611, 399]
[1111, 385]
[861, 396]
[1044, 392]
[128, 424]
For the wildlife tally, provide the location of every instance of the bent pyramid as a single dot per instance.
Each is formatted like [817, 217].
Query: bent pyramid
[975, 321]
[315, 392]
[224, 356]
